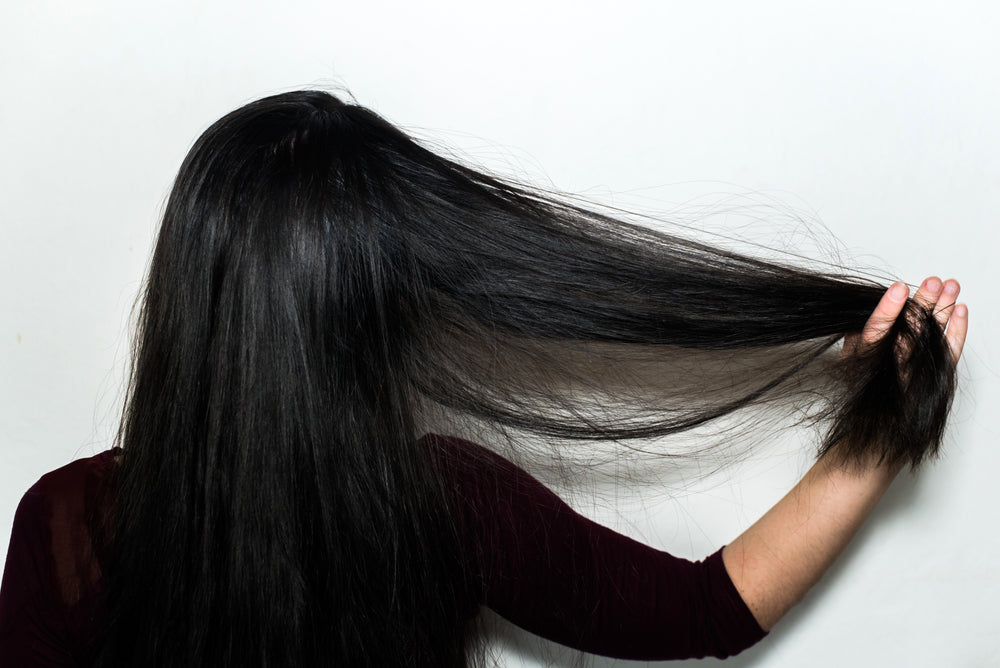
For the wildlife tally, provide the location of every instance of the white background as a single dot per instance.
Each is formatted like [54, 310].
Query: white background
[881, 120]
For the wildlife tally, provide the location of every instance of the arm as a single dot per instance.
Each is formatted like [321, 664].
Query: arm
[775, 562]
[31, 623]
[551, 571]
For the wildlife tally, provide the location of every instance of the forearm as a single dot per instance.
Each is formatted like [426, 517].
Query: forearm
[775, 562]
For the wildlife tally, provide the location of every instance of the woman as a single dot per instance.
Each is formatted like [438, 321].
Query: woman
[320, 286]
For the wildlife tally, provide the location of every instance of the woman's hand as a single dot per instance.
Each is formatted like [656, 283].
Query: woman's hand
[775, 562]
[933, 295]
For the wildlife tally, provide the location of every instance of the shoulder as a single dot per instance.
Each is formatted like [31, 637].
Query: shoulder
[494, 499]
[57, 482]
[68, 491]
[481, 475]
[56, 520]
[452, 454]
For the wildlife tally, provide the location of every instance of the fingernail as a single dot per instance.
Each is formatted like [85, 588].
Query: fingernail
[933, 284]
[951, 288]
[961, 311]
[898, 292]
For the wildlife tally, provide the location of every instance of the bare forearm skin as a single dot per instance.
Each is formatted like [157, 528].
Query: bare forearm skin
[775, 562]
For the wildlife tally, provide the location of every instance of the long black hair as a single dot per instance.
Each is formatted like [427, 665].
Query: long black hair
[320, 282]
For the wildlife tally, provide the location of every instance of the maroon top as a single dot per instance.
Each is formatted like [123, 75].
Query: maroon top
[537, 562]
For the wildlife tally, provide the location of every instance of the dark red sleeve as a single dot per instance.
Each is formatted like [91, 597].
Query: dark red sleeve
[31, 626]
[50, 588]
[559, 575]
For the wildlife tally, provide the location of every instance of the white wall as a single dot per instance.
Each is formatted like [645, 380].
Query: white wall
[880, 119]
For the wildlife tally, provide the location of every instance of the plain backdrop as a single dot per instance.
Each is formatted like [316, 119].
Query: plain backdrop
[870, 127]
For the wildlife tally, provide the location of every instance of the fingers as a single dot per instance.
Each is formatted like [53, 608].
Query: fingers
[937, 296]
[851, 342]
[940, 298]
[888, 309]
[946, 303]
[958, 326]
[929, 292]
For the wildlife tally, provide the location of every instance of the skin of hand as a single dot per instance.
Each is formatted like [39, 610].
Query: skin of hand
[782, 555]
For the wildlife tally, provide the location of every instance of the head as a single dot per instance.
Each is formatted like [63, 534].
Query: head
[270, 486]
